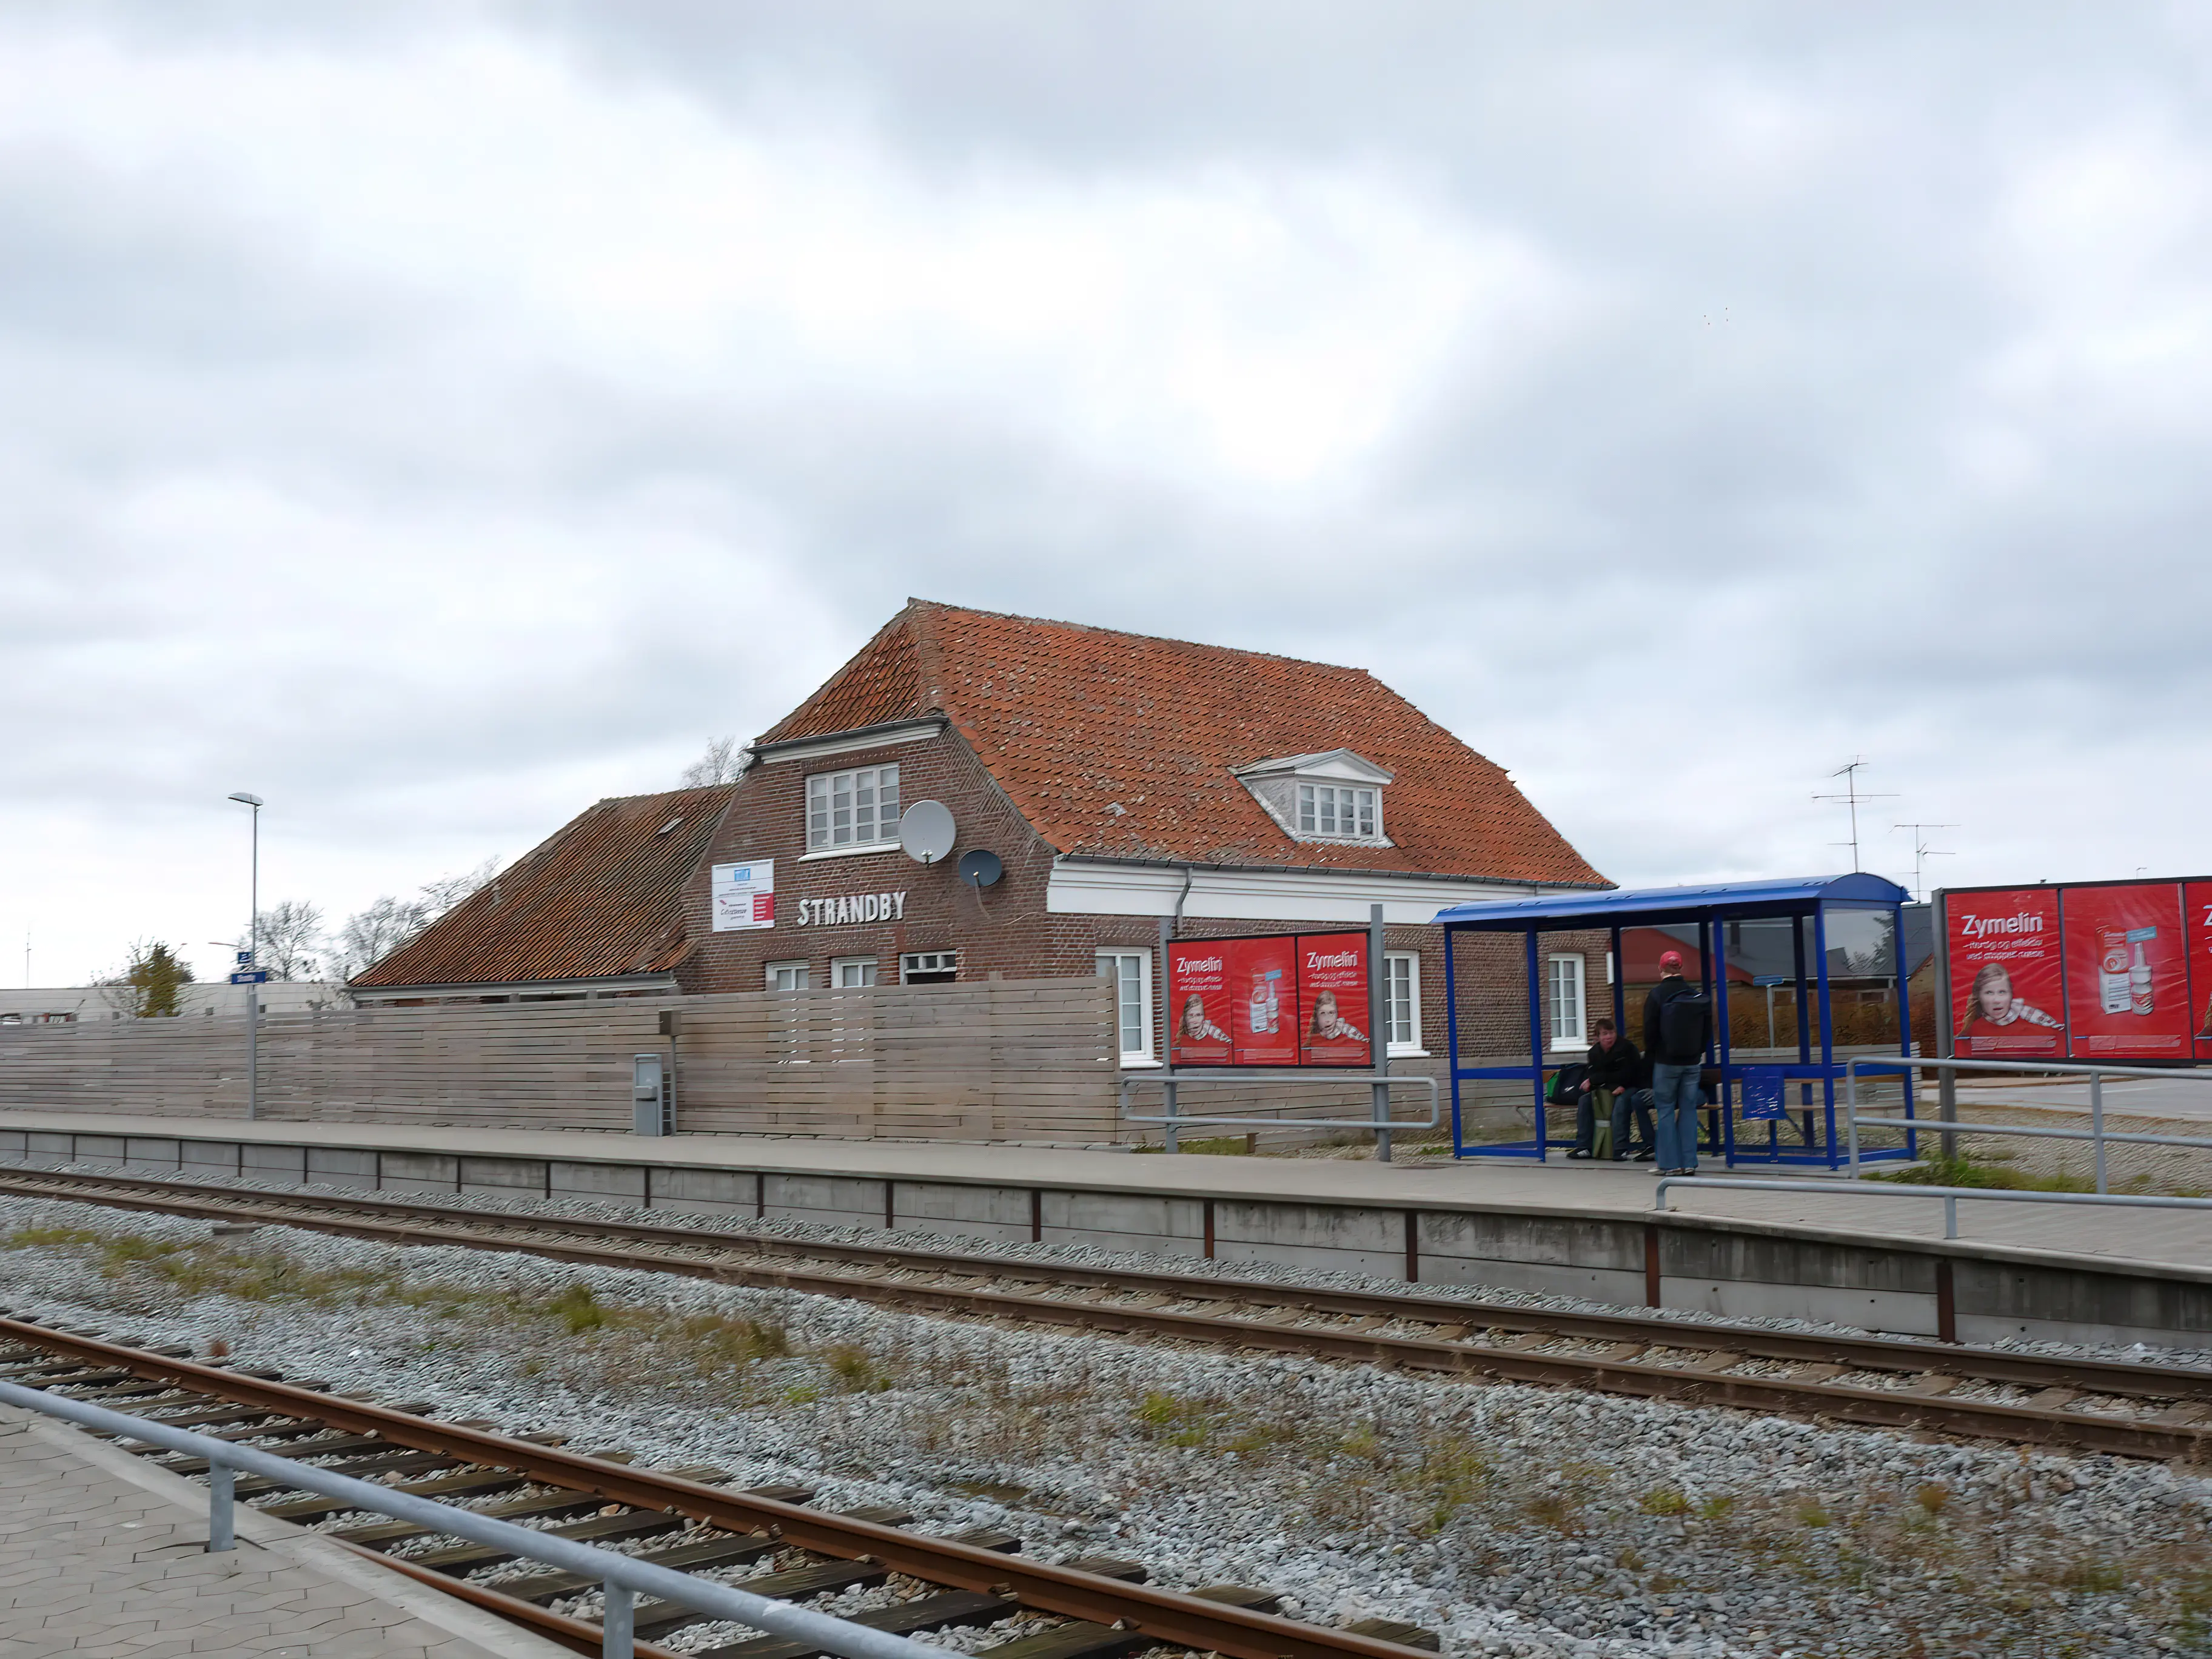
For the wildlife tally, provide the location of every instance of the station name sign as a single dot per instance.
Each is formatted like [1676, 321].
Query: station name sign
[1278, 1000]
[848, 907]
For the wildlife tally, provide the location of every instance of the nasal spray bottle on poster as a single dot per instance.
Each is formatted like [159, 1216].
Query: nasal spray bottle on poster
[2139, 984]
[2116, 995]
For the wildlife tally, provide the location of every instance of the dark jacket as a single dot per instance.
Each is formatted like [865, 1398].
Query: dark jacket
[1618, 1067]
[1661, 994]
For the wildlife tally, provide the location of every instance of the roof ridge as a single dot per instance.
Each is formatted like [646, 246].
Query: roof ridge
[1130, 634]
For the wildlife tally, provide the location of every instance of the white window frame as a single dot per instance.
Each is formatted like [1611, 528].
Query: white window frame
[1114, 965]
[1564, 1034]
[821, 792]
[1340, 812]
[928, 962]
[1402, 1039]
[863, 971]
[803, 972]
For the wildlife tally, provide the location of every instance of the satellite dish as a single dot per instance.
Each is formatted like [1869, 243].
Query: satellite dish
[980, 868]
[926, 831]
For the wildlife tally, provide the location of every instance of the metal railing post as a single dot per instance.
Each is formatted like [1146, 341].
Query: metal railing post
[1851, 1109]
[1950, 1215]
[2097, 1123]
[617, 1625]
[1168, 1137]
[222, 1520]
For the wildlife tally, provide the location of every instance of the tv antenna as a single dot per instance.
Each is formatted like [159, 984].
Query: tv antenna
[1922, 852]
[1853, 795]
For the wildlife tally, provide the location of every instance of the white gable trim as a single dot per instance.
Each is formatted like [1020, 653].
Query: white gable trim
[1335, 765]
[1093, 887]
[849, 743]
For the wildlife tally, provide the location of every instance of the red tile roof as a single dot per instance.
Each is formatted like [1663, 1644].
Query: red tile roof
[1076, 722]
[601, 897]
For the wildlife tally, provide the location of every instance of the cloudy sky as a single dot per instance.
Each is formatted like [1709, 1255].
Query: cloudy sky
[436, 417]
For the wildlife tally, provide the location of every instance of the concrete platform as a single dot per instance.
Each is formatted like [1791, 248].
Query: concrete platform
[2052, 1273]
[101, 1554]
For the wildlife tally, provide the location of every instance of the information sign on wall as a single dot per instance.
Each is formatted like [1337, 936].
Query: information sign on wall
[1280, 999]
[742, 895]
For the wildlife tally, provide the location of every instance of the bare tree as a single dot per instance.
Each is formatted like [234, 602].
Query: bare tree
[290, 940]
[725, 762]
[370, 935]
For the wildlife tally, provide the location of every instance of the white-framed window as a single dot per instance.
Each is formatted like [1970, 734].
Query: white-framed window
[929, 966]
[852, 973]
[859, 808]
[1563, 980]
[1131, 973]
[1327, 809]
[1401, 1001]
[789, 976]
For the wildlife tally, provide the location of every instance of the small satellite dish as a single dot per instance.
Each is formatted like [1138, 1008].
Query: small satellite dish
[926, 831]
[979, 868]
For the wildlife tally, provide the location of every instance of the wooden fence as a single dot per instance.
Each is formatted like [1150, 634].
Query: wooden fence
[1016, 1060]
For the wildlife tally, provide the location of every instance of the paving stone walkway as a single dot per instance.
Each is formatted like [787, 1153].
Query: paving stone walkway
[93, 1564]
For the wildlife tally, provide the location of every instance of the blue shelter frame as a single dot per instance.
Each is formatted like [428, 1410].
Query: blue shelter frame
[1710, 909]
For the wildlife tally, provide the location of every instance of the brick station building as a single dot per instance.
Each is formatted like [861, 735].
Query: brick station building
[1120, 781]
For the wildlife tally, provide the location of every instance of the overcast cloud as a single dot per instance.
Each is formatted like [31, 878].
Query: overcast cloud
[436, 420]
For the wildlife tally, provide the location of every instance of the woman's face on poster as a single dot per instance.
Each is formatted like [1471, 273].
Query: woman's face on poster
[1996, 997]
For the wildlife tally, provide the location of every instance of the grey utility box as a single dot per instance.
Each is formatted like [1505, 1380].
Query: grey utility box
[649, 1095]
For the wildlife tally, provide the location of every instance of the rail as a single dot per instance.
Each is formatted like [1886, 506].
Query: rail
[1380, 1121]
[1947, 1127]
[625, 1577]
[1950, 1195]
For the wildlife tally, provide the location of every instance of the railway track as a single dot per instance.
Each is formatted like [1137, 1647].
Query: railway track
[682, 1518]
[2108, 1406]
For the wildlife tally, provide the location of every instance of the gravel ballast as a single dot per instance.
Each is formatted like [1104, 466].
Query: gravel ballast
[1513, 1520]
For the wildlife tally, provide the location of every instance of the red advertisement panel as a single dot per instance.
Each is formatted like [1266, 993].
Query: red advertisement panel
[2127, 972]
[2196, 919]
[1333, 1000]
[1198, 1003]
[2008, 988]
[1263, 1000]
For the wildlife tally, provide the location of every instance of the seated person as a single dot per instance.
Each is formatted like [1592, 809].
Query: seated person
[1613, 1081]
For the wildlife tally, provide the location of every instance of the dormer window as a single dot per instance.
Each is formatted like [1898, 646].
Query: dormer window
[1335, 796]
[1330, 810]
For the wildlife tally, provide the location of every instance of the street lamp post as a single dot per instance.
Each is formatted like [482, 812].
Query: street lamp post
[253, 963]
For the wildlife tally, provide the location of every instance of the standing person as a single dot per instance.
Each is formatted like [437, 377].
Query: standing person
[1675, 1038]
[1616, 1079]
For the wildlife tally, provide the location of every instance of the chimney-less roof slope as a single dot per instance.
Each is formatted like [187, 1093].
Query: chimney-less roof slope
[602, 896]
[1073, 722]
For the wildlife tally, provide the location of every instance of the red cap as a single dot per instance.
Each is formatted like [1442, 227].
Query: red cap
[1670, 959]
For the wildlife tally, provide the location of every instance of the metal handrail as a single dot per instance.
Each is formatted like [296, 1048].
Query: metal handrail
[1950, 1195]
[625, 1577]
[1950, 1126]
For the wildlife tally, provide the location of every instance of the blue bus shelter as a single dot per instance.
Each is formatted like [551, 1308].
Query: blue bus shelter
[1796, 924]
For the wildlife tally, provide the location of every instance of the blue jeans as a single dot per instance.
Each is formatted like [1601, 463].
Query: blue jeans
[1626, 1101]
[1674, 1100]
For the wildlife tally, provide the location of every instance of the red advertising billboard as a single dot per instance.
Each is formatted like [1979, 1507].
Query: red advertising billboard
[2094, 970]
[1199, 1004]
[2127, 972]
[1263, 1000]
[1333, 1000]
[2008, 987]
[2197, 923]
[1278, 1000]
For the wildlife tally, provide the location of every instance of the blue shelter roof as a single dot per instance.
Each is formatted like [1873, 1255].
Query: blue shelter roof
[1624, 906]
